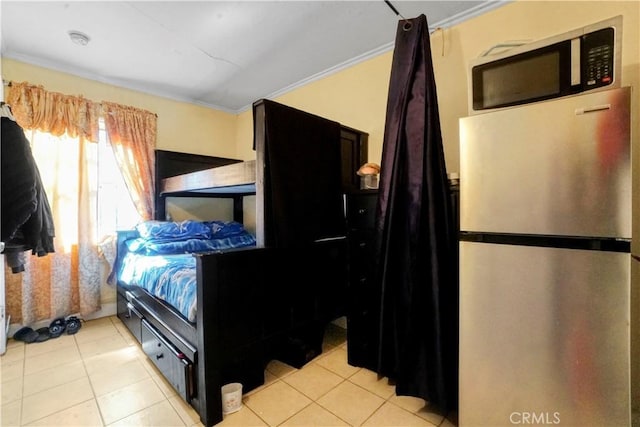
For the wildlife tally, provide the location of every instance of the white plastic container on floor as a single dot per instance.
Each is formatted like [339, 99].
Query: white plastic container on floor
[231, 398]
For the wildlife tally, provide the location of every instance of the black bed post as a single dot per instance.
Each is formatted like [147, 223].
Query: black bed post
[160, 211]
[259, 147]
[158, 199]
[208, 376]
[238, 209]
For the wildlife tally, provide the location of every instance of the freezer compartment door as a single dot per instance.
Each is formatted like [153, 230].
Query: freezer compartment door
[544, 336]
[559, 167]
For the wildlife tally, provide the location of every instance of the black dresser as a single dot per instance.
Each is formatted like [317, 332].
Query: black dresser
[363, 297]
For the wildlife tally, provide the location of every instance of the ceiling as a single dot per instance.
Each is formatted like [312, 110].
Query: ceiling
[220, 54]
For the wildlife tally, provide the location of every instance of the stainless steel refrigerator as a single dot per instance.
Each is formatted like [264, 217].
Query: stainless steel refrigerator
[545, 264]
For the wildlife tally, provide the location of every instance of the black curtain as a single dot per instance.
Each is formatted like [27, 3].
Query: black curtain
[415, 234]
[303, 193]
[303, 216]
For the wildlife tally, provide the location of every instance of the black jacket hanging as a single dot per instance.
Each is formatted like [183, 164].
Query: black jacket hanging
[414, 233]
[27, 221]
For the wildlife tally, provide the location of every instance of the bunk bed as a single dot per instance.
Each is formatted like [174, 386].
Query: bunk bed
[267, 301]
[227, 322]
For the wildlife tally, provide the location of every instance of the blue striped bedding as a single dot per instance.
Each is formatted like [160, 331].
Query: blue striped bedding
[165, 265]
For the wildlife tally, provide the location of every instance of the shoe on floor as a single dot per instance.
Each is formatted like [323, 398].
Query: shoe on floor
[57, 327]
[73, 325]
[43, 334]
[26, 334]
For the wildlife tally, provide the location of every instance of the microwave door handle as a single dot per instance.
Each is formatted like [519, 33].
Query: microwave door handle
[575, 62]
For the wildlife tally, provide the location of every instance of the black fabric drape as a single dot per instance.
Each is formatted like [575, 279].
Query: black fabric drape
[414, 233]
[27, 221]
[302, 161]
[304, 216]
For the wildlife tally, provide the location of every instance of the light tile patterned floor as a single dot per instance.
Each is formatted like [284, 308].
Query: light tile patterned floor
[100, 377]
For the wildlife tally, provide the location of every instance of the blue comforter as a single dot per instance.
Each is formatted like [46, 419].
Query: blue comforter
[171, 278]
[161, 260]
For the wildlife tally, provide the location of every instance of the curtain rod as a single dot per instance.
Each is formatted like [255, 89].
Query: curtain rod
[407, 24]
[394, 9]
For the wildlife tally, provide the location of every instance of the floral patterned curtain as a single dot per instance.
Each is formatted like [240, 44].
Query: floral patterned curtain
[38, 109]
[63, 130]
[132, 134]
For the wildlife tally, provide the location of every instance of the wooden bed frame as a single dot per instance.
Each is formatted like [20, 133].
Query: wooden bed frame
[250, 308]
[246, 317]
[253, 304]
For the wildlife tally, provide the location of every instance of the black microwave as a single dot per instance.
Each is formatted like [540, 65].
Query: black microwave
[578, 61]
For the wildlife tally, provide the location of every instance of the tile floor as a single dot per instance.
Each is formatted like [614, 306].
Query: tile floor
[100, 377]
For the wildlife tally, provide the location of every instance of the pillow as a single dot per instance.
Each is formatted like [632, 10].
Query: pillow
[168, 230]
[220, 229]
[155, 247]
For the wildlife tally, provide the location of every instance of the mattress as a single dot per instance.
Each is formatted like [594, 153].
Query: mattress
[161, 260]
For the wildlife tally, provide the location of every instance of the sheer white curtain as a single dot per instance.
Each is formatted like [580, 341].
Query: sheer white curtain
[68, 280]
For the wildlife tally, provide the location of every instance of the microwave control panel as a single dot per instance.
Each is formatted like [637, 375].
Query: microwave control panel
[597, 51]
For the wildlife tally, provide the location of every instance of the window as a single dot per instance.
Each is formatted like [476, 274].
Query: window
[111, 206]
[116, 210]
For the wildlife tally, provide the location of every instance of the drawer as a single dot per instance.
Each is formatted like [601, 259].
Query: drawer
[173, 364]
[361, 210]
[131, 317]
[361, 250]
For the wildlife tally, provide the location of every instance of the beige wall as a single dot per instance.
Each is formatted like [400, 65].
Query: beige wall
[355, 97]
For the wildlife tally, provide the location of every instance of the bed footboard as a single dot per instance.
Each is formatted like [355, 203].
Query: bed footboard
[254, 304]
[259, 304]
[236, 320]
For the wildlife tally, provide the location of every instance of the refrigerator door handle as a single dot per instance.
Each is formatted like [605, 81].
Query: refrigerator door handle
[593, 109]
